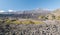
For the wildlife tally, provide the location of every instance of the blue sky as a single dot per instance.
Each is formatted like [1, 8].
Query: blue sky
[29, 4]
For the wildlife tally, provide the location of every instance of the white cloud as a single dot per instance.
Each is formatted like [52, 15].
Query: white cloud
[10, 10]
[2, 11]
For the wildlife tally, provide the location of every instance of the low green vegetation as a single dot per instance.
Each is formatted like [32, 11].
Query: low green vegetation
[8, 21]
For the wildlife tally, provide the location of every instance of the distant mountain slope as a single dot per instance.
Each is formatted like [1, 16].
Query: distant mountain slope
[26, 14]
[27, 11]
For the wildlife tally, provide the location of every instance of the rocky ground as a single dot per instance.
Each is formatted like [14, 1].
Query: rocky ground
[48, 28]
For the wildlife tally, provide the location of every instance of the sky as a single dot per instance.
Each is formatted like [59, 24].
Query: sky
[11, 5]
